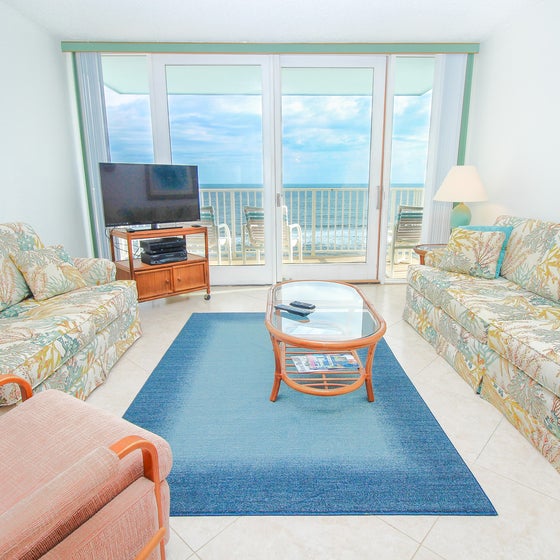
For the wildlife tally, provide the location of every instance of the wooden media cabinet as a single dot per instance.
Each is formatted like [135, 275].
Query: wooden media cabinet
[161, 280]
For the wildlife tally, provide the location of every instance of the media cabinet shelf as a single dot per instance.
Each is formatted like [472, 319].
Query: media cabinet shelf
[162, 280]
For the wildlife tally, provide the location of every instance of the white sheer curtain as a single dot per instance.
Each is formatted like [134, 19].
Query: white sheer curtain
[444, 143]
[89, 79]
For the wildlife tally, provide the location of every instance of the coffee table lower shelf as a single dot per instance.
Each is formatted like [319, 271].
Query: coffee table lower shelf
[320, 382]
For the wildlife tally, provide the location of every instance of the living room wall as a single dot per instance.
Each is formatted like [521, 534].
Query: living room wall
[39, 171]
[514, 129]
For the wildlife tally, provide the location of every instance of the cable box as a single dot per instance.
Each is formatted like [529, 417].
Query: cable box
[165, 245]
[163, 258]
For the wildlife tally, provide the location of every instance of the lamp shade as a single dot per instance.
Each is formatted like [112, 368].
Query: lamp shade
[461, 184]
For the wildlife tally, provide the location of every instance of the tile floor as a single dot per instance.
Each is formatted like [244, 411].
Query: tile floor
[522, 485]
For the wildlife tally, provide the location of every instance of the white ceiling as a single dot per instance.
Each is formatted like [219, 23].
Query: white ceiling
[374, 21]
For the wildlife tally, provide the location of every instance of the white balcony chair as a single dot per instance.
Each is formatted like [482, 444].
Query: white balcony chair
[407, 231]
[291, 236]
[219, 235]
[253, 234]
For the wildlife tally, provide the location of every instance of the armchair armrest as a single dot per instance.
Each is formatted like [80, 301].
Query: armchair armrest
[225, 228]
[95, 270]
[24, 387]
[43, 518]
[47, 516]
[296, 228]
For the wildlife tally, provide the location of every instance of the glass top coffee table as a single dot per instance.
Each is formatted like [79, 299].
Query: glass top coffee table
[316, 353]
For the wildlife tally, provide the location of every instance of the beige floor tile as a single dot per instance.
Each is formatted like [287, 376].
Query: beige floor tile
[425, 554]
[413, 353]
[199, 531]
[526, 527]
[514, 457]
[177, 549]
[415, 526]
[309, 538]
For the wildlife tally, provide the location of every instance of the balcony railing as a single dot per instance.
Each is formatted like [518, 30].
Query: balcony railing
[333, 219]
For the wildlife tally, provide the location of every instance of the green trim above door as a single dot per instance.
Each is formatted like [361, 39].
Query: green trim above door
[272, 48]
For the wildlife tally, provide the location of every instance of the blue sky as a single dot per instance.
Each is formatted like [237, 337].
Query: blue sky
[325, 138]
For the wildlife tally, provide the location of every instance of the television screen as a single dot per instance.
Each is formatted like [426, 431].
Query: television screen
[140, 194]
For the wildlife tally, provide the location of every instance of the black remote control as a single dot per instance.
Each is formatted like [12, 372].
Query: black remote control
[302, 304]
[294, 310]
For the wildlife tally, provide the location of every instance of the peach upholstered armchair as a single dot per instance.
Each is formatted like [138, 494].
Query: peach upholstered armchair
[79, 483]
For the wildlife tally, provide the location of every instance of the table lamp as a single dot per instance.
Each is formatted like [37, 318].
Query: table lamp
[462, 184]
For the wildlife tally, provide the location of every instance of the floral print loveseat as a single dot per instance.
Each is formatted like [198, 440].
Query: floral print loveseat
[501, 332]
[63, 322]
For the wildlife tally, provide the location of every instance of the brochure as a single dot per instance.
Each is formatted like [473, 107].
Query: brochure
[305, 363]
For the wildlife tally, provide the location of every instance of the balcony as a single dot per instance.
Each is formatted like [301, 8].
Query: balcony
[333, 220]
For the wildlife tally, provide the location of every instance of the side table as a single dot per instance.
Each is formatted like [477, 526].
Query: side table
[421, 250]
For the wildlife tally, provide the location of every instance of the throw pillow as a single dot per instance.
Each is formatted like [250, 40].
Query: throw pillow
[13, 287]
[546, 278]
[48, 272]
[507, 230]
[473, 252]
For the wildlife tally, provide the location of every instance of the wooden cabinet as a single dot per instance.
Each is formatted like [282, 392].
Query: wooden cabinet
[161, 280]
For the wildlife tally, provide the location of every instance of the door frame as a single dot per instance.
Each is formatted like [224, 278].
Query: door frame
[273, 269]
[339, 271]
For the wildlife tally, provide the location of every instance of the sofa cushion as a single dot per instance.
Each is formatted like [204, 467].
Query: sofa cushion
[103, 303]
[34, 348]
[96, 270]
[475, 252]
[48, 271]
[529, 242]
[13, 287]
[533, 346]
[476, 303]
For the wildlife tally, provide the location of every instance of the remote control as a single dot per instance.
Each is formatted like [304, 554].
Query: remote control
[294, 310]
[302, 304]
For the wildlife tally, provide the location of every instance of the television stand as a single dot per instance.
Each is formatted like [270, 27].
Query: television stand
[155, 281]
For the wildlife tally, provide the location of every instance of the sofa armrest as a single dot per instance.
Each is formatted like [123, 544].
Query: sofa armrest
[433, 257]
[96, 271]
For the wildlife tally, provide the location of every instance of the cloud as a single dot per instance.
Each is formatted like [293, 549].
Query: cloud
[326, 139]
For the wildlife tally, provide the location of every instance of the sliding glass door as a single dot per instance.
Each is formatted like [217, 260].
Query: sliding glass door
[212, 113]
[289, 157]
[331, 138]
[298, 155]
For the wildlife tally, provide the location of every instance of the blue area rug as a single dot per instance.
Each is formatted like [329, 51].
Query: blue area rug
[237, 453]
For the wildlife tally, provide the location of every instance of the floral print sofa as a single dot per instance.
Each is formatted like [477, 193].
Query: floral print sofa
[63, 322]
[501, 331]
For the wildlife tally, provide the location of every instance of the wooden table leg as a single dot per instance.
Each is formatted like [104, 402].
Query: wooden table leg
[275, 388]
[277, 369]
[369, 366]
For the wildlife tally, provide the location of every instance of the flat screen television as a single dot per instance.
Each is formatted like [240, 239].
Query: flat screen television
[152, 194]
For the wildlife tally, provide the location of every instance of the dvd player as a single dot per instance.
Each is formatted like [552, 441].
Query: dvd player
[165, 245]
[163, 258]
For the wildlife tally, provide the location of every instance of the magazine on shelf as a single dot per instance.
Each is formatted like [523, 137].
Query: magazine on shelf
[306, 363]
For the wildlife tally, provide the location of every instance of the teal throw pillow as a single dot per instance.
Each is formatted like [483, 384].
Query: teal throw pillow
[504, 229]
